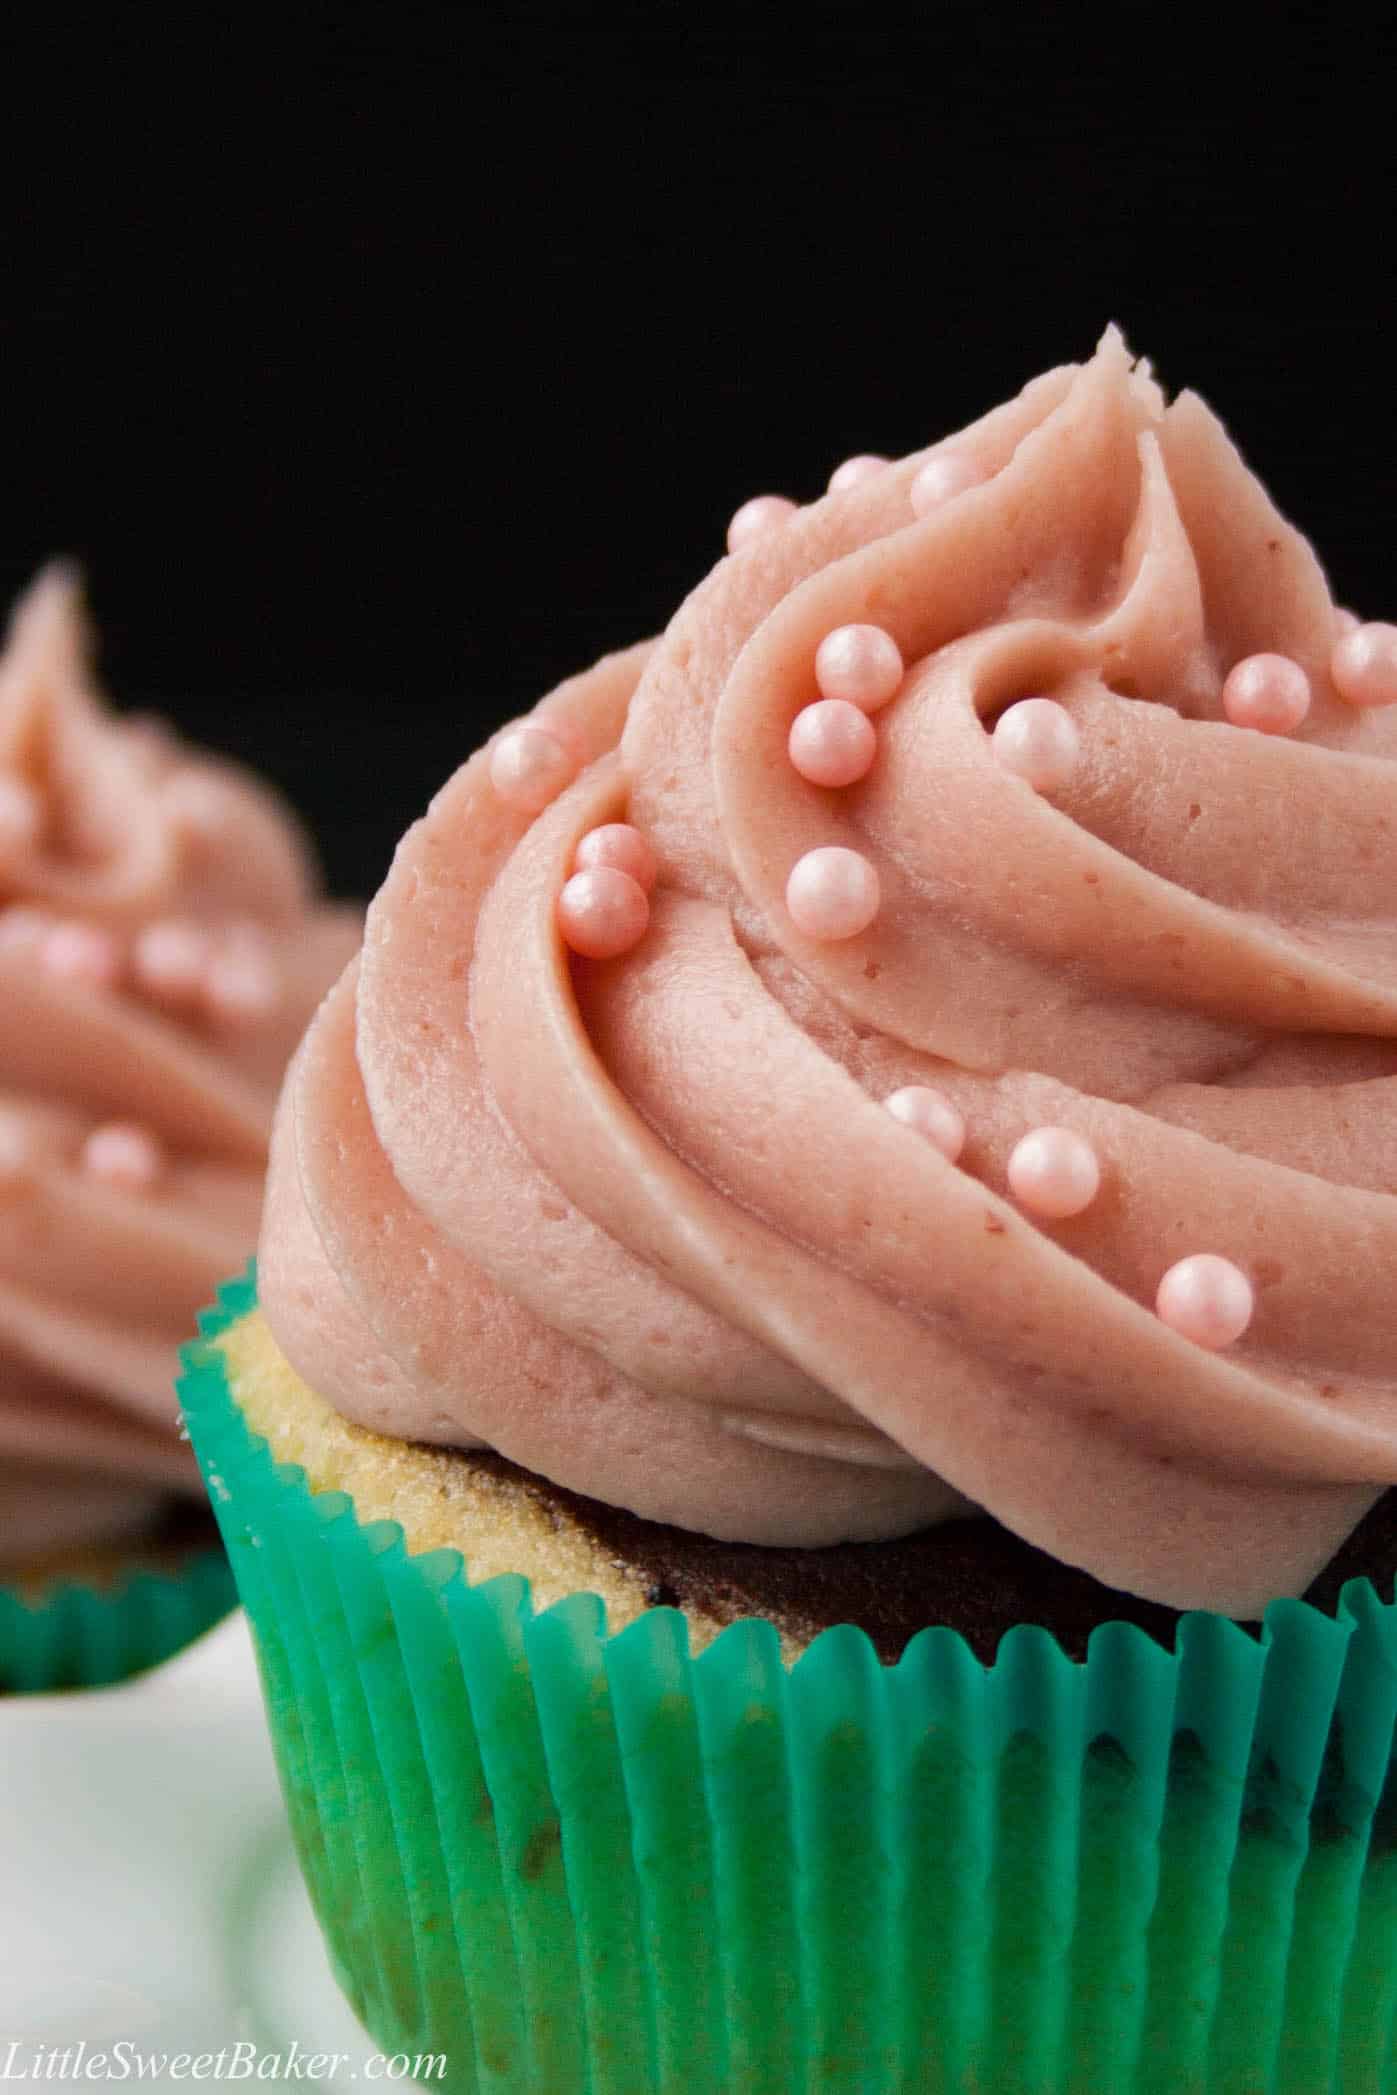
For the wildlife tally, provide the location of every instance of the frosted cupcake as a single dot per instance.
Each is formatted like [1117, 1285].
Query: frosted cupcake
[857, 1144]
[162, 944]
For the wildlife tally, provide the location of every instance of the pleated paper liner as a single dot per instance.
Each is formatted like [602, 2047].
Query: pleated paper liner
[574, 1862]
[78, 1636]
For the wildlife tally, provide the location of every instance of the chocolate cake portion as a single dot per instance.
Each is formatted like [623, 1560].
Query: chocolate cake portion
[183, 1530]
[973, 1576]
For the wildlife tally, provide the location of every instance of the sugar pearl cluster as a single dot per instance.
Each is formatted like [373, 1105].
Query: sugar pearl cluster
[1267, 692]
[947, 472]
[604, 909]
[120, 1154]
[229, 974]
[1037, 739]
[1054, 1174]
[833, 893]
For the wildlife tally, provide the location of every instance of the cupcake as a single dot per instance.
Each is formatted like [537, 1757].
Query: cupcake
[162, 944]
[820, 1313]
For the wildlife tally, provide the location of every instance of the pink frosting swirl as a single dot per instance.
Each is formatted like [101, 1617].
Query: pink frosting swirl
[645, 1224]
[162, 945]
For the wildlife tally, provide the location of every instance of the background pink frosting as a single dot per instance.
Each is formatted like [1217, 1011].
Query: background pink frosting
[645, 1226]
[162, 945]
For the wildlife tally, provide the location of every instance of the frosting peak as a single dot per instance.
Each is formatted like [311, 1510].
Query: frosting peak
[162, 944]
[989, 1103]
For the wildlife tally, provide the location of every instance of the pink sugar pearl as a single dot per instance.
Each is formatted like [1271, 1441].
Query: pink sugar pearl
[619, 845]
[1037, 740]
[529, 766]
[1054, 1172]
[1206, 1299]
[855, 472]
[833, 893]
[1267, 692]
[860, 664]
[1364, 665]
[948, 474]
[755, 518]
[832, 743]
[124, 1155]
[603, 912]
[20, 817]
[931, 1114]
[80, 953]
[170, 959]
[1346, 621]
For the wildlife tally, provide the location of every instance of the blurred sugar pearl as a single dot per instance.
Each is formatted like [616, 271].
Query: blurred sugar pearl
[832, 893]
[1037, 740]
[856, 471]
[20, 817]
[1267, 692]
[1054, 1172]
[170, 959]
[619, 845]
[1364, 665]
[763, 513]
[832, 743]
[860, 664]
[1347, 621]
[950, 473]
[124, 1155]
[81, 953]
[603, 912]
[929, 1113]
[529, 767]
[1206, 1299]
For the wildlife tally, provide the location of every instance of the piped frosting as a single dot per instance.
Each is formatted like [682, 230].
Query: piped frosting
[162, 945]
[1007, 1126]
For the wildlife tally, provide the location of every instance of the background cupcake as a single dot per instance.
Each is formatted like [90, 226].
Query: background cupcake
[162, 944]
[875, 1062]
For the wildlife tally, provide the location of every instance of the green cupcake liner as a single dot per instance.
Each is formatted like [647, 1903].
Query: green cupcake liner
[75, 1636]
[578, 1862]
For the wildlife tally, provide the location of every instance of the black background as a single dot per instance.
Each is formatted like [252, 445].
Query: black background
[385, 369]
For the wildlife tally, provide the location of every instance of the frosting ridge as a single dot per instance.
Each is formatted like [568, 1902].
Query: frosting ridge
[646, 1225]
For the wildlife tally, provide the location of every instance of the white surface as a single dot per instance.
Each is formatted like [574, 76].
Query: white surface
[148, 1891]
